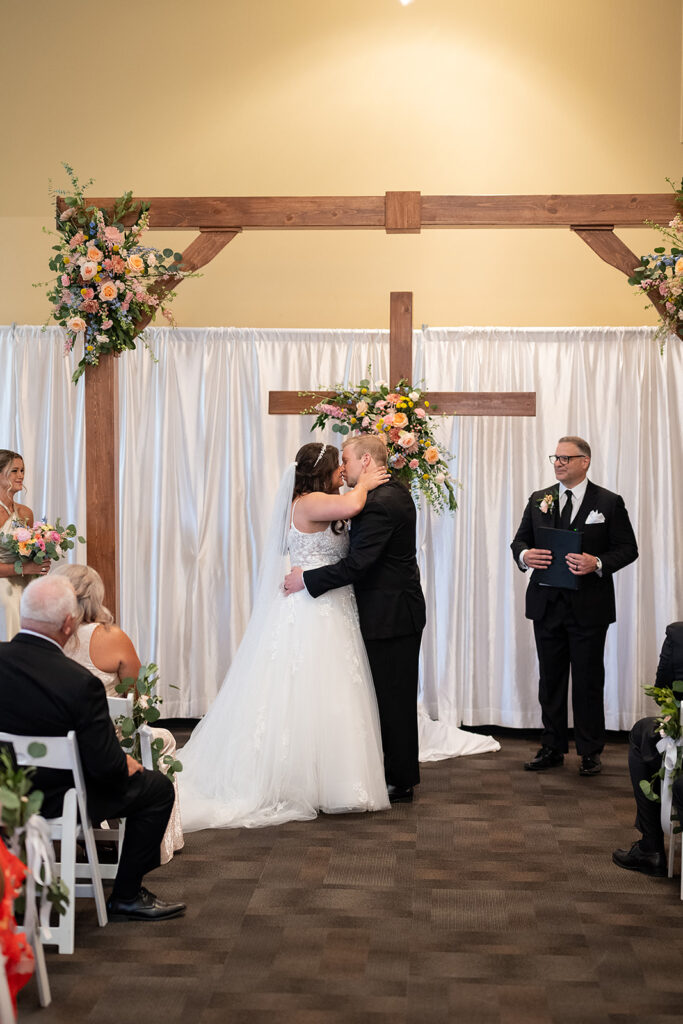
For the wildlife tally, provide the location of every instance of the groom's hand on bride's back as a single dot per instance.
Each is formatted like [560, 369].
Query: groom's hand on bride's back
[294, 580]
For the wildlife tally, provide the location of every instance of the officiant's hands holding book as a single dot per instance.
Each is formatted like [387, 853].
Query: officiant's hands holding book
[537, 558]
[581, 564]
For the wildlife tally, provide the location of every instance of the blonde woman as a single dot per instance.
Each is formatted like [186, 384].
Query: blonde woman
[13, 513]
[105, 650]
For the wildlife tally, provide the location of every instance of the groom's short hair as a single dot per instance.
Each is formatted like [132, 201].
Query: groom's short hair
[370, 443]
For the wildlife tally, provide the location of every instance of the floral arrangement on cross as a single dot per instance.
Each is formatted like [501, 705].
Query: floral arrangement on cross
[400, 417]
[107, 281]
[661, 272]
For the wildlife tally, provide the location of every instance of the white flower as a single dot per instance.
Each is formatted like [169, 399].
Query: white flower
[382, 384]
[439, 478]
[544, 506]
[413, 396]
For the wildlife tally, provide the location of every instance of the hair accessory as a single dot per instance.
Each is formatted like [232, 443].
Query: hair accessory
[322, 452]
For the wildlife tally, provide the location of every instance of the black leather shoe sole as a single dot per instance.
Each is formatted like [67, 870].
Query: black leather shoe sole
[542, 766]
[146, 915]
[593, 769]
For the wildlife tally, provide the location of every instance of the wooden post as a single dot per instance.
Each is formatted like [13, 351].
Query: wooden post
[400, 337]
[102, 474]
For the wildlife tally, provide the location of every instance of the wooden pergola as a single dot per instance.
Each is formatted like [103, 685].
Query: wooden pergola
[219, 220]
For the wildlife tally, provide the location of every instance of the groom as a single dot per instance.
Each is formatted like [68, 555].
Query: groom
[382, 567]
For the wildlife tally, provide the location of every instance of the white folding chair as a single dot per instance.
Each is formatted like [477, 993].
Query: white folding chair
[667, 823]
[61, 752]
[7, 1014]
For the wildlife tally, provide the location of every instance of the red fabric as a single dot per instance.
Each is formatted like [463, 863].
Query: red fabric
[14, 945]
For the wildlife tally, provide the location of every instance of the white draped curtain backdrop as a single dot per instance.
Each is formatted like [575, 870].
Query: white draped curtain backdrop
[200, 460]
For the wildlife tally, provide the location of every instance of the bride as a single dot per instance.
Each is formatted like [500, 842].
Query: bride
[294, 728]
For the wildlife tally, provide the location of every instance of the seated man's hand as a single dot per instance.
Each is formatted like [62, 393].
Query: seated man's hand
[133, 765]
[294, 580]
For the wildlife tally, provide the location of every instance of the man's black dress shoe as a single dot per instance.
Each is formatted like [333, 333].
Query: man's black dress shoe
[145, 907]
[400, 794]
[545, 758]
[636, 859]
[590, 765]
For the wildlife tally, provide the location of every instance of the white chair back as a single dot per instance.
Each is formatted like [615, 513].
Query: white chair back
[667, 823]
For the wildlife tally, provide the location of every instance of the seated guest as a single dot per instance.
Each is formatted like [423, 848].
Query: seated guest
[44, 693]
[107, 652]
[647, 854]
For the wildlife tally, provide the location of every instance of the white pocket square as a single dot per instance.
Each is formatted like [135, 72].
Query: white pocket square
[594, 517]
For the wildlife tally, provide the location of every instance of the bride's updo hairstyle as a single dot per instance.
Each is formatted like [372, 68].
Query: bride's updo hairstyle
[316, 464]
[89, 588]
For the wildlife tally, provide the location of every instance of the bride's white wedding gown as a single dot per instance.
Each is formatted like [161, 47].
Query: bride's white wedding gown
[294, 728]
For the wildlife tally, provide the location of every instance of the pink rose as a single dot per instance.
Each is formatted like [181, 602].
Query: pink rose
[420, 413]
[365, 422]
[88, 293]
[66, 281]
[55, 537]
[106, 324]
[406, 440]
[413, 463]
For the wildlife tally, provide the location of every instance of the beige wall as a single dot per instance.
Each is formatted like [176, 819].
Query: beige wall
[296, 97]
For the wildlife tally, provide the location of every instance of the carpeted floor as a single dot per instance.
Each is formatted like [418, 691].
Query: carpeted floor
[491, 899]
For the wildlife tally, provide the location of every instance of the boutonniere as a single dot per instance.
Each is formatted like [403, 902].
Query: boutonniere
[547, 503]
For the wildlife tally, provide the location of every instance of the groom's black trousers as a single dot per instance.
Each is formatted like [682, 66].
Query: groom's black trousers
[394, 667]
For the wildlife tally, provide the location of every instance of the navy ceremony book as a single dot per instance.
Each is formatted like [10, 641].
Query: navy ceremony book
[561, 543]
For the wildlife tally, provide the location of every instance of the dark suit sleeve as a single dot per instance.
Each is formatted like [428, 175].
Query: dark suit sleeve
[671, 656]
[524, 538]
[370, 536]
[622, 547]
[101, 755]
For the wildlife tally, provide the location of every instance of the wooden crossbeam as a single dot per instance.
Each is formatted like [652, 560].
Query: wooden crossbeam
[401, 212]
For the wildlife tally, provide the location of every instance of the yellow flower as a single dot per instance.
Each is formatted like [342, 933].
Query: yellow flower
[427, 404]
[67, 260]
[116, 248]
[363, 391]
[380, 422]
[425, 476]
[89, 348]
[411, 404]
[353, 419]
[98, 277]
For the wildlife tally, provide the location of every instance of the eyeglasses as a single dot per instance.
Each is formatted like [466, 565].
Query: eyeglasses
[564, 459]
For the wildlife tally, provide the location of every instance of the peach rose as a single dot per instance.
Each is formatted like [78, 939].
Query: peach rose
[406, 440]
[76, 324]
[400, 420]
[361, 408]
[93, 253]
[88, 270]
[136, 263]
[108, 291]
[432, 455]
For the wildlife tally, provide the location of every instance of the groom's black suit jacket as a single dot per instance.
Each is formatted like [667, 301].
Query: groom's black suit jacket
[612, 541]
[381, 565]
[44, 693]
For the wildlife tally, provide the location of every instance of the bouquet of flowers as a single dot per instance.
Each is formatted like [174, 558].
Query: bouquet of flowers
[36, 543]
[662, 272]
[106, 279]
[400, 417]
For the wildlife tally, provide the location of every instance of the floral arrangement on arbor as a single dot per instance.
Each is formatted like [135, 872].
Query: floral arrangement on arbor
[107, 280]
[145, 712]
[668, 699]
[400, 417]
[662, 271]
[37, 543]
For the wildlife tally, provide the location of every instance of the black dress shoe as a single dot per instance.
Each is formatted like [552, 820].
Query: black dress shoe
[545, 758]
[145, 907]
[636, 859]
[590, 765]
[400, 794]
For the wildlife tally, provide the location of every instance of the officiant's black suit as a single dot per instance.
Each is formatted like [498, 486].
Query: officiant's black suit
[570, 626]
[382, 567]
[45, 693]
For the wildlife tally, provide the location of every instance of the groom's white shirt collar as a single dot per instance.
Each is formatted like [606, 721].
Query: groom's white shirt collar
[578, 494]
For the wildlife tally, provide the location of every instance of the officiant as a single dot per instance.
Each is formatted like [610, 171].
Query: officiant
[571, 619]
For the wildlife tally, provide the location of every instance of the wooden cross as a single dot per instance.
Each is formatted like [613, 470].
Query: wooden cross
[219, 219]
[444, 403]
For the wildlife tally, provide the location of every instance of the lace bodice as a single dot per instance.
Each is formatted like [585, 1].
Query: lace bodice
[310, 550]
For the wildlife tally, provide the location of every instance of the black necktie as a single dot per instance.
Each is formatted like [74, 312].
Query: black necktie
[566, 516]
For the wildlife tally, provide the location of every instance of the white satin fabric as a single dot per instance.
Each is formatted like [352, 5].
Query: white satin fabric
[201, 457]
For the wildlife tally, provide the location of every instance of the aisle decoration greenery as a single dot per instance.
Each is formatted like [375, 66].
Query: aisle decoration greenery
[662, 270]
[146, 704]
[668, 724]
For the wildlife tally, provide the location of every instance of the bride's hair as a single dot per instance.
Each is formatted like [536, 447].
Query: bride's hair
[7, 457]
[316, 464]
[89, 588]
